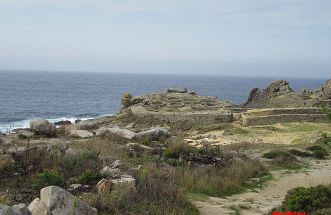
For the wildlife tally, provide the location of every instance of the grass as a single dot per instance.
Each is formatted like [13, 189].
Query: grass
[282, 159]
[220, 181]
[157, 192]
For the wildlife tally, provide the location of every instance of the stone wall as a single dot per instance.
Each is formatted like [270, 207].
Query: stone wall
[197, 117]
[280, 115]
[249, 120]
[278, 111]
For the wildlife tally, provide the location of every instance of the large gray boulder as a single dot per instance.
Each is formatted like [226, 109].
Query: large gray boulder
[37, 207]
[87, 124]
[6, 210]
[81, 134]
[121, 132]
[43, 127]
[22, 209]
[153, 134]
[60, 202]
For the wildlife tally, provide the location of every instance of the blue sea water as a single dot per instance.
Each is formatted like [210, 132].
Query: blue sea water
[59, 95]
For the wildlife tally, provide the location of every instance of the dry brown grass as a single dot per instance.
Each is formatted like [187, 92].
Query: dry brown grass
[156, 192]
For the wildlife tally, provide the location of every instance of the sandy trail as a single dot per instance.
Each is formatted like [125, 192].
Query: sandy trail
[271, 196]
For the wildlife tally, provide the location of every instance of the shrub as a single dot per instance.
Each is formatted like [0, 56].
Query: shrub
[176, 148]
[6, 165]
[326, 139]
[300, 153]
[308, 199]
[275, 154]
[74, 165]
[90, 177]
[318, 152]
[5, 199]
[156, 192]
[324, 211]
[283, 159]
[48, 178]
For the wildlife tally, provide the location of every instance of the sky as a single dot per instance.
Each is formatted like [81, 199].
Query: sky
[288, 38]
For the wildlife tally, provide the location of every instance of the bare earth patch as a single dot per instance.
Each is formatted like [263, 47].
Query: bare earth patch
[261, 202]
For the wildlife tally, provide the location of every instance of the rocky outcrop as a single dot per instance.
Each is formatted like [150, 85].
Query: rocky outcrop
[153, 134]
[121, 132]
[37, 207]
[20, 209]
[280, 94]
[61, 123]
[60, 202]
[176, 90]
[81, 134]
[127, 180]
[104, 186]
[42, 127]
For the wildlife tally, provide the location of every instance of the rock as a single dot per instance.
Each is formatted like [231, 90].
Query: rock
[192, 93]
[104, 186]
[37, 207]
[42, 127]
[64, 122]
[110, 171]
[87, 124]
[60, 202]
[124, 180]
[117, 164]
[78, 188]
[279, 87]
[81, 134]
[121, 132]
[24, 132]
[22, 209]
[6, 210]
[77, 121]
[176, 90]
[153, 134]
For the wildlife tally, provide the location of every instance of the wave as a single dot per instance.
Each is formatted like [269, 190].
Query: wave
[8, 127]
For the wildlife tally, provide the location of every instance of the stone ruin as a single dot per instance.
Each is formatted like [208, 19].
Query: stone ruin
[276, 104]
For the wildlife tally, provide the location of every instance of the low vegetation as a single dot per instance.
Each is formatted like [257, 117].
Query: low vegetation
[283, 159]
[48, 178]
[319, 152]
[156, 192]
[313, 200]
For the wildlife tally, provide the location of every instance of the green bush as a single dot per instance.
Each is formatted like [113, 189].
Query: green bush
[300, 153]
[90, 177]
[325, 211]
[308, 199]
[275, 154]
[326, 139]
[48, 178]
[318, 152]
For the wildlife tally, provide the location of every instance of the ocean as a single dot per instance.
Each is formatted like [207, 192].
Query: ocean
[70, 96]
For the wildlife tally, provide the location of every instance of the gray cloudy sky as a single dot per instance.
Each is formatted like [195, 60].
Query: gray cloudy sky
[225, 37]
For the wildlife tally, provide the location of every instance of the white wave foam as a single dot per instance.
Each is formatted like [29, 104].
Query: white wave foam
[8, 127]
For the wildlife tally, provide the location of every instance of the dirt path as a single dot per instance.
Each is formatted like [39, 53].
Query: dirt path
[253, 203]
